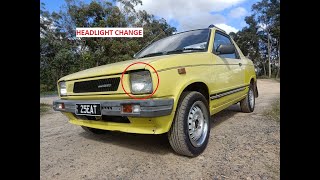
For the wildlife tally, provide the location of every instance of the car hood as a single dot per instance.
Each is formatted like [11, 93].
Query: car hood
[157, 62]
[109, 69]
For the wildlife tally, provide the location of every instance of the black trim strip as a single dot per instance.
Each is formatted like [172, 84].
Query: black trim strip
[89, 77]
[176, 67]
[195, 65]
[228, 92]
[89, 94]
[104, 75]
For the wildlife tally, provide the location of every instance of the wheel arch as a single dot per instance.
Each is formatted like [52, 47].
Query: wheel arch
[253, 81]
[195, 85]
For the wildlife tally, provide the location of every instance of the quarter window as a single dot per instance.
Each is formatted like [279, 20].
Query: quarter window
[224, 40]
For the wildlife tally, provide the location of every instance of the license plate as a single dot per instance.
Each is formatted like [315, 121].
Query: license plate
[88, 109]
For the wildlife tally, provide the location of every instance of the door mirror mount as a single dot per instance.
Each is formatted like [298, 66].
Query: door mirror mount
[225, 49]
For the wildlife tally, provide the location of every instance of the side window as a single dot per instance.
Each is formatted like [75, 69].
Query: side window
[221, 39]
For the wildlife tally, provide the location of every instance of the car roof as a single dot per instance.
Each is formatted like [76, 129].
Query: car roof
[210, 28]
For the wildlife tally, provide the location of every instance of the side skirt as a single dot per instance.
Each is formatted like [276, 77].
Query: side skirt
[226, 93]
[224, 106]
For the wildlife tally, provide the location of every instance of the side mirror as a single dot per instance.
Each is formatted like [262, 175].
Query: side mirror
[225, 49]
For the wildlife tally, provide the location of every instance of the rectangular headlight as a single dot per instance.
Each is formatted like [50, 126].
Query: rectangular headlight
[63, 88]
[141, 82]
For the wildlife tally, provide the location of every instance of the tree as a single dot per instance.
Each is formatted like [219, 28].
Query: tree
[267, 13]
[61, 53]
[260, 40]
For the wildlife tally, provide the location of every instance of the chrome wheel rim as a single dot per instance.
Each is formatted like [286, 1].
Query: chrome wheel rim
[197, 124]
[251, 98]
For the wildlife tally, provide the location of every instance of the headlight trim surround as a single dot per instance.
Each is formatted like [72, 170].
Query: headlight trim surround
[148, 86]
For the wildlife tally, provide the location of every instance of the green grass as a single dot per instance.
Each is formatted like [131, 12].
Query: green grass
[274, 112]
[44, 108]
[49, 93]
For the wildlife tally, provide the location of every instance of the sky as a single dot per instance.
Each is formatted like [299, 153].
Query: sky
[190, 14]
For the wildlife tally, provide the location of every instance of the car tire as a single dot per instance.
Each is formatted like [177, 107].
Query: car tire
[94, 130]
[248, 103]
[190, 129]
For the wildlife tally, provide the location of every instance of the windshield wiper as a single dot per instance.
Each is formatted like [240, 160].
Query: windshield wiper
[184, 50]
[152, 54]
[173, 52]
[194, 49]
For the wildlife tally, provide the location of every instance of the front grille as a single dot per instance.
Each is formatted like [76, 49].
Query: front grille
[100, 85]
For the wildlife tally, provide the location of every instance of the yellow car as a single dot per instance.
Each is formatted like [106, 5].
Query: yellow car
[172, 86]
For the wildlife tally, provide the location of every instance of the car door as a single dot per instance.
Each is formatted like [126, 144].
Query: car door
[228, 71]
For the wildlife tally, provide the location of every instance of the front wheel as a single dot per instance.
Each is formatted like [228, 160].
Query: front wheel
[247, 104]
[189, 132]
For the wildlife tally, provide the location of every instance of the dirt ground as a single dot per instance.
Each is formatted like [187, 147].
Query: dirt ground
[241, 146]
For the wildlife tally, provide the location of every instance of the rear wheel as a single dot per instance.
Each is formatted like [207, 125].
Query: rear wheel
[248, 103]
[189, 132]
[94, 130]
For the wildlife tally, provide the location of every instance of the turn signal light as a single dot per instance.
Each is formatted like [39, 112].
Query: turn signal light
[136, 109]
[129, 108]
[60, 106]
[182, 71]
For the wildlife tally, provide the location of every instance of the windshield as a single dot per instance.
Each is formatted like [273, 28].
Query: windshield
[190, 41]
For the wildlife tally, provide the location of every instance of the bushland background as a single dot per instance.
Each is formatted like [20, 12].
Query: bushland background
[61, 53]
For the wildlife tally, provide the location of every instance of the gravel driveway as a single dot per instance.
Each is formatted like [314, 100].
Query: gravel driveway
[241, 146]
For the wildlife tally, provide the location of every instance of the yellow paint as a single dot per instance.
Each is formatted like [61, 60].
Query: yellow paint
[218, 74]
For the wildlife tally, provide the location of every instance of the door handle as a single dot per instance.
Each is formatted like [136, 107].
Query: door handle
[240, 64]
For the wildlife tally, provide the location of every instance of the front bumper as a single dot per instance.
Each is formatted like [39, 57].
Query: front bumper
[149, 107]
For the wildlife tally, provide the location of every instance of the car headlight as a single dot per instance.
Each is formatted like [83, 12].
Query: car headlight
[141, 82]
[63, 88]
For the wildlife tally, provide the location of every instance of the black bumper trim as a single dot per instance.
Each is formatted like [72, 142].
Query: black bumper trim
[149, 107]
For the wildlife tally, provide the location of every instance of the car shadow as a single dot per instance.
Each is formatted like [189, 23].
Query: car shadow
[148, 143]
[224, 115]
[153, 144]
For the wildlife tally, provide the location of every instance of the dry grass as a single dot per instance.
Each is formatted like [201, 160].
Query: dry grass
[274, 112]
[44, 108]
